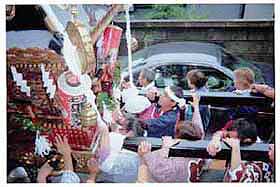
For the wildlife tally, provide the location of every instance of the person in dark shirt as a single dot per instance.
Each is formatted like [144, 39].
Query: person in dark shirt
[160, 118]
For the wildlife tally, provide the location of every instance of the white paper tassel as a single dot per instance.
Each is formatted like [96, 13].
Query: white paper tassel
[107, 115]
[48, 82]
[42, 146]
[117, 93]
[18, 78]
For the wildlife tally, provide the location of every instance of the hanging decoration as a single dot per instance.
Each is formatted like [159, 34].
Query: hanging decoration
[111, 42]
[48, 82]
[71, 93]
[69, 51]
[42, 146]
[18, 78]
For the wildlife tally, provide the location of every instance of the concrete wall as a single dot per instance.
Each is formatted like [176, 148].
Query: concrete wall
[259, 11]
[251, 39]
[219, 11]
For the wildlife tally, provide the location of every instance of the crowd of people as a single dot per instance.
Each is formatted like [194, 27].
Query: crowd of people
[168, 116]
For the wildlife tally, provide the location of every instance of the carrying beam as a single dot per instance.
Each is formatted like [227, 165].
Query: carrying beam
[197, 149]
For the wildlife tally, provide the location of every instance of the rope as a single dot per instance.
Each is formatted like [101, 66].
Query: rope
[128, 40]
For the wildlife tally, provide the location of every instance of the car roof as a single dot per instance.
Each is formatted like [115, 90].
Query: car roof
[187, 58]
[206, 51]
[185, 47]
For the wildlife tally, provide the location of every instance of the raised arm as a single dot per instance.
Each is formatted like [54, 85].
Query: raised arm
[235, 152]
[263, 89]
[196, 119]
[143, 170]
[214, 145]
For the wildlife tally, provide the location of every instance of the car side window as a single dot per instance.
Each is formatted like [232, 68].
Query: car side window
[168, 75]
[217, 80]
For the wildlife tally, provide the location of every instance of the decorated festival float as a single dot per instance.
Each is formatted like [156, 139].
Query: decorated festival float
[63, 88]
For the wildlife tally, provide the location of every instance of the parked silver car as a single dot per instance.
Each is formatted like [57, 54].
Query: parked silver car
[171, 62]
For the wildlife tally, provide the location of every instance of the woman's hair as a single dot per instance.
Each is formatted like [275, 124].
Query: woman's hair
[197, 78]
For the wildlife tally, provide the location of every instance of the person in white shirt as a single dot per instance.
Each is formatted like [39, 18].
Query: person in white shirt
[146, 79]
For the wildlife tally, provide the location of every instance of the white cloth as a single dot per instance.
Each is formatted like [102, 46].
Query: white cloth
[69, 177]
[137, 104]
[116, 143]
[242, 92]
[134, 103]
[128, 93]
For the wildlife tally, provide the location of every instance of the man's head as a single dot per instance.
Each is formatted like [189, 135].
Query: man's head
[146, 76]
[196, 79]
[244, 130]
[243, 78]
[167, 100]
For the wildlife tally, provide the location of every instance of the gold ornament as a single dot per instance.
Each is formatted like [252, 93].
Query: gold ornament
[88, 116]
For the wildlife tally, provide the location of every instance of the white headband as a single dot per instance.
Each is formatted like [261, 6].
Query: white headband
[180, 101]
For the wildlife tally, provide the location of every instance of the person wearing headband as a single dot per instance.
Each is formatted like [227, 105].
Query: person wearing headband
[156, 166]
[160, 118]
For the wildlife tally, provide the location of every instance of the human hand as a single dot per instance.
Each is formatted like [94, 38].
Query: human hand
[144, 148]
[93, 166]
[196, 99]
[261, 88]
[234, 143]
[168, 142]
[62, 145]
[44, 172]
[214, 147]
